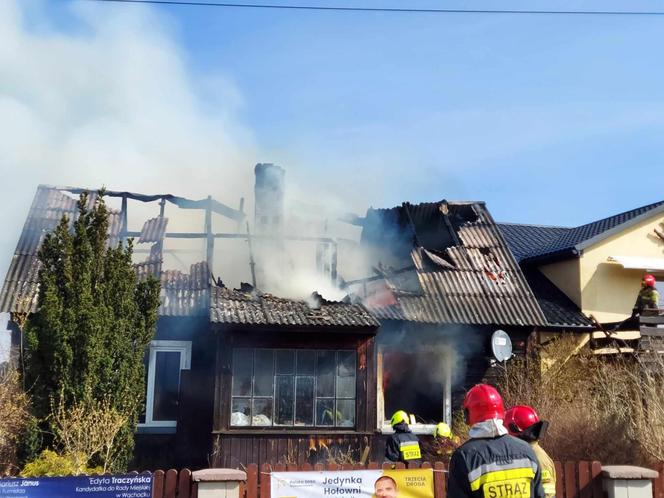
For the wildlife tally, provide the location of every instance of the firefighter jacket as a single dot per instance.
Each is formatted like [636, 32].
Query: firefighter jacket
[648, 298]
[403, 446]
[548, 470]
[495, 467]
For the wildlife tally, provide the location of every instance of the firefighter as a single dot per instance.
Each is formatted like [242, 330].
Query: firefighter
[492, 463]
[648, 297]
[523, 422]
[444, 441]
[402, 445]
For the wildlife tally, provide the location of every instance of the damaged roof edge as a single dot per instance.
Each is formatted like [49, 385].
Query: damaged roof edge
[180, 202]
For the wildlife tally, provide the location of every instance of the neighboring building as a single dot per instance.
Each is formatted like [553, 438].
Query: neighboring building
[598, 266]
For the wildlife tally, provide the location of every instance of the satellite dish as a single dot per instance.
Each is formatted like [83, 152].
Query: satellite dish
[501, 345]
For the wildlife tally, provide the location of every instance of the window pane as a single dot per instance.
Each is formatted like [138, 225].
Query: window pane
[166, 385]
[284, 401]
[306, 362]
[242, 370]
[262, 412]
[264, 373]
[285, 361]
[325, 374]
[324, 412]
[240, 412]
[345, 413]
[304, 401]
[346, 375]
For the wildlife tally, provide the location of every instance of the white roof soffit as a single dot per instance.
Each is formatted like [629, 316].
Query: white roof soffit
[638, 263]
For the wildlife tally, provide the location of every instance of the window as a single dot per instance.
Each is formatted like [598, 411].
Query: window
[418, 382]
[165, 361]
[293, 388]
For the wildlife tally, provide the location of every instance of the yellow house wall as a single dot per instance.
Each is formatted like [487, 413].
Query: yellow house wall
[566, 276]
[608, 291]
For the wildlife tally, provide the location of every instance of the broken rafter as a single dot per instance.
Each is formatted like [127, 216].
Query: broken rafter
[181, 202]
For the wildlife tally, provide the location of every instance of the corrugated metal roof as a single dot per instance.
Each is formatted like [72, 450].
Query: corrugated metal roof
[250, 308]
[20, 288]
[19, 291]
[185, 294]
[466, 272]
[153, 230]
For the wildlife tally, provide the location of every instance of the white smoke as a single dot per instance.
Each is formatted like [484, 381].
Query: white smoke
[111, 103]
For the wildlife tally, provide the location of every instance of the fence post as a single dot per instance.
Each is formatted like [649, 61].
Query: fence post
[184, 484]
[171, 483]
[158, 484]
[265, 480]
[571, 490]
[585, 480]
[252, 481]
[212, 482]
[596, 471]
[439, 482]
[560, 480]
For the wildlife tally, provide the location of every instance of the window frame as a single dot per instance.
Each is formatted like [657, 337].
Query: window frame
[158, 346]
[295, 427]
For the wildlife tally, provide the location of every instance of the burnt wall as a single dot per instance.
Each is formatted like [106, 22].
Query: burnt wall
[237, 451]
[189, 445]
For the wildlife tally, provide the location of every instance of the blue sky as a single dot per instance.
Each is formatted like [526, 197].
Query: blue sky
[549, 119]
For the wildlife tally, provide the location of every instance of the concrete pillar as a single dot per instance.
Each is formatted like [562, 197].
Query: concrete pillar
[219, 483]
[627, 481]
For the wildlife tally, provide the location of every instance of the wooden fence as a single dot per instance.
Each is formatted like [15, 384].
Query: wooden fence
[574, 479]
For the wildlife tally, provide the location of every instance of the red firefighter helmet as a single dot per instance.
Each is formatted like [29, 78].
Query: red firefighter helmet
[519, 418]
[649, 280]
[483, 402]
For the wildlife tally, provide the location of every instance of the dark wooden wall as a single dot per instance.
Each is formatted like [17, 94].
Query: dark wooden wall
[238, 451]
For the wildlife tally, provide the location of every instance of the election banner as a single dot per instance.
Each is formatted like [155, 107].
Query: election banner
[414, 483]
[119, 486]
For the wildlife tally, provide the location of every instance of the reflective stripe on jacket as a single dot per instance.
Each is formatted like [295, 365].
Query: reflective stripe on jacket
[403, 447]
[500, 467]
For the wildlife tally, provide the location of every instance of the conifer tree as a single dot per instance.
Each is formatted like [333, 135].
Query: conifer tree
[94, 321]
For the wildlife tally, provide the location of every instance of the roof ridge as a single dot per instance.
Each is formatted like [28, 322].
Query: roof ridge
[646, 207]
[534, 225]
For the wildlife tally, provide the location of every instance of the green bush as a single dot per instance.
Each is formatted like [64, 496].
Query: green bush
[50, 464]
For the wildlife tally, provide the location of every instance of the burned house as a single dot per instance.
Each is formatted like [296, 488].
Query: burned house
[245, 373]
[444, 281]
[228, 369]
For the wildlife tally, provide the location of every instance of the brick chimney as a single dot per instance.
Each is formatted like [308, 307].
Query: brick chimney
[269, 199]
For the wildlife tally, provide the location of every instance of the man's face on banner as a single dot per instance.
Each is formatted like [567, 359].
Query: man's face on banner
[385, 488]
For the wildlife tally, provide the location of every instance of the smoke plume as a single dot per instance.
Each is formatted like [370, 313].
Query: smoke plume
[111, 102]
